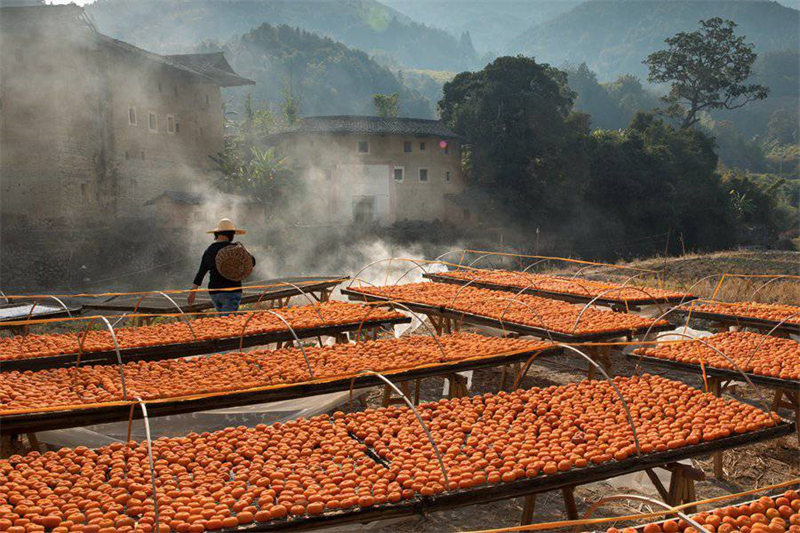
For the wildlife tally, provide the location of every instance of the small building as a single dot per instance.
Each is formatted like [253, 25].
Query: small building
[92, 127]
[376, 170]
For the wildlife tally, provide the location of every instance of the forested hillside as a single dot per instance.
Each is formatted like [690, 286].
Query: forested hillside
[326, 77]
[174, 26]
[490, 23]
[613, 36]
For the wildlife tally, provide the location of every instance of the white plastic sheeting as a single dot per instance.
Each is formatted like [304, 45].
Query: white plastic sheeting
[178, 425]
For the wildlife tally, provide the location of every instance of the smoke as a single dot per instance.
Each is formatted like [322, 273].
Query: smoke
[107, 181]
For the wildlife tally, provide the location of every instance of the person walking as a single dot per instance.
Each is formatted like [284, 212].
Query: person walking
[223, 290]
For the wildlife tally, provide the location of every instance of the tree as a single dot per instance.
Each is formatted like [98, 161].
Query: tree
[386, 105]
[707, 69]
[514, 115]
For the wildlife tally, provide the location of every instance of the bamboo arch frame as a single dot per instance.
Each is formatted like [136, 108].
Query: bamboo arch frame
[413, 409]
[36, 302]
[151, 462]
[357, 275]
[391, 303]
[652, 501]
[764, 403]
[116, 350]
[616, 389]
[291, 329]
[590, 302]
[776, 278]
[769, 333]
[162, 293]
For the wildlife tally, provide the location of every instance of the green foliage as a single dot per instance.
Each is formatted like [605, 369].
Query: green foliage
[514, 112]
[364, 24]
[250, 167]
[300, 71]
[386, 105]
[611, 105]
[759, 205]
[534, 163]
[612, 36]
[707, 69]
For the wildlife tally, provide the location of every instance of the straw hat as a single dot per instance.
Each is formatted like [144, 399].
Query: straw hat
[227, 224]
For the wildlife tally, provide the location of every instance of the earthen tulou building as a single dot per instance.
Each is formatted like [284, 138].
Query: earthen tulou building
[377, 170]
[92, 128]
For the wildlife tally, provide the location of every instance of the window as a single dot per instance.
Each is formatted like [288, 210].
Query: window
[423, 174]
[132, 116]
[170, 124]
[152, 121]
[127, 155]
[398, 173]
[421, 147]
[363, 147]
[447, 176]
[407, 147]
[177, 127]
[84, 190]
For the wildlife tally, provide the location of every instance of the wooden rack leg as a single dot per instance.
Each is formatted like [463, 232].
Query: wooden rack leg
[792, 403]
[528, 508]
[681, 485]
[458, 386]
[33, 440]
[6, 446]
[417, 385]
[569, 502]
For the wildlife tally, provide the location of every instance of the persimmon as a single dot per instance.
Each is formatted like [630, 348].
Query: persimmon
[205, 328]
[752, 352]
[753, 517]
[525, 309]
[563, 285]
[761, 311]
[309, 466]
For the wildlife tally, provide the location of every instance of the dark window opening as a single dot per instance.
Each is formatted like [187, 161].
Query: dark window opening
[447, 176]
[407, 147]
[398, 174]
[363, 147]
[423, 174]
[421, 147]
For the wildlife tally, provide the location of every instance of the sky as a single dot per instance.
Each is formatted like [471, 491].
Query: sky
[791, 3]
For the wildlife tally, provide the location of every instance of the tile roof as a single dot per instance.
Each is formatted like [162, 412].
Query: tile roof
[371, 125]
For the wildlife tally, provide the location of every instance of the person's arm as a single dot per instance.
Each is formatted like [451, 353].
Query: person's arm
[198, 278]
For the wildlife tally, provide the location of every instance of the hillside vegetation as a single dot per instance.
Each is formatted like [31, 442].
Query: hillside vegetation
[490, 23]
[325, 76]
[174, 26]
[613, 36]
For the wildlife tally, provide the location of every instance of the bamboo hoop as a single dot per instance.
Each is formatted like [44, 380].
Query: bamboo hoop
[416, 414]
[151, 462]
[645, 499]
[764, 404]
[291, 329]
[614, 385]
[765, 337]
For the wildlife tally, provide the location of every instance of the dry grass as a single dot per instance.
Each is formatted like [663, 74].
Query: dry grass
[700, 274]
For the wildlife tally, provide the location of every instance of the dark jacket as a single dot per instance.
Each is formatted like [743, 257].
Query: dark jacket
[209, 264]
